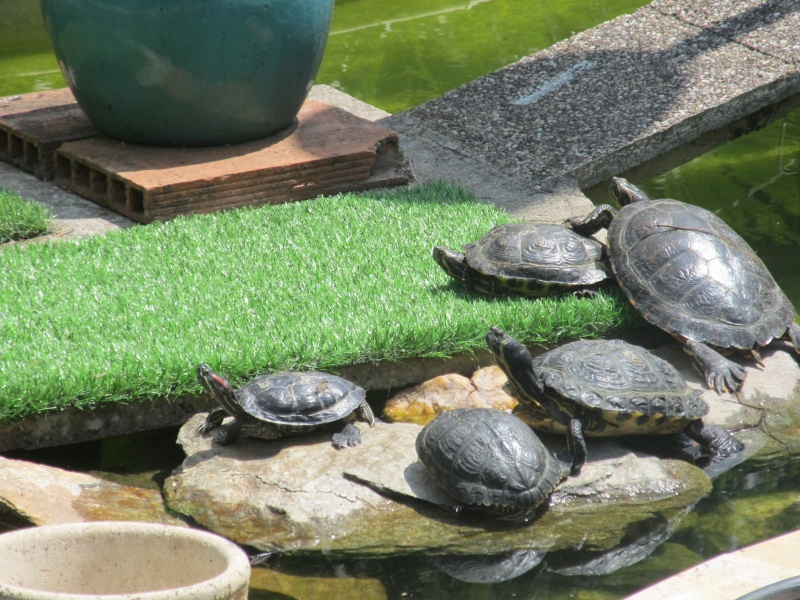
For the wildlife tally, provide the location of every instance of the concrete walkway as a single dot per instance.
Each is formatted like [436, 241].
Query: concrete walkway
[634, 96]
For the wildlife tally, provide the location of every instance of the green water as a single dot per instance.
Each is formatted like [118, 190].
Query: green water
[397, 54]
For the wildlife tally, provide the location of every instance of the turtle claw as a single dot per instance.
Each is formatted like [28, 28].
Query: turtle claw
[726, 381]
[349, 436]
[213, 420]
[721, 375]
[756, 356]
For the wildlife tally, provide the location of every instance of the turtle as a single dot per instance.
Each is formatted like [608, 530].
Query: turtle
[281, 404]
[530, 259]
[688, 273]
[605, 388]
[487, 458]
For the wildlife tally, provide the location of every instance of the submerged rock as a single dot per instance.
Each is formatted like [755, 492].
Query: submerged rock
[43, 495]
[276, 583]
[421, 403]
[376, 499]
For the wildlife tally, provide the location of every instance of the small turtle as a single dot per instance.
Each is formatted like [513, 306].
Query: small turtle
[530, 259]
[487, 458]
[605, 388]
[291, 403]
[691, 275]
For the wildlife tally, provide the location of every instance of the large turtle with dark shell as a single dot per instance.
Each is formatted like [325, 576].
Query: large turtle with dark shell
[530, 259]
[484, 457]
[290, 403]
[605, 388]
[690, 274]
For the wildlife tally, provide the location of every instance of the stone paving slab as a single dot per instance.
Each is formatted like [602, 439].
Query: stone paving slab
[609, 98]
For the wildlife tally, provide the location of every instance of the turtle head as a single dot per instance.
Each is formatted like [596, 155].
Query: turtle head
[624, 192]
[453, 263]
[511, 356]
[220, 388]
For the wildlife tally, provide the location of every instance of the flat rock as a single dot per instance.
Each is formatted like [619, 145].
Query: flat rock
[43, 495]
[376, 500]
[373, 500]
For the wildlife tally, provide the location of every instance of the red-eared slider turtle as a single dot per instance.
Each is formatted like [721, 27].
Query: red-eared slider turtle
[274, 406]
[691, 275]
[487, 458]
[530, 259]
[605, 388]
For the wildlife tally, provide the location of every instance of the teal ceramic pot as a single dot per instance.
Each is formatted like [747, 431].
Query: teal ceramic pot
[189, 72]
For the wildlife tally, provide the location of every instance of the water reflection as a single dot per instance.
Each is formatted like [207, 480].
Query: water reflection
[481, 568]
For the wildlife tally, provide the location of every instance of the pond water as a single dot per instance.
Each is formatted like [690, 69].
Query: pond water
[395, 55]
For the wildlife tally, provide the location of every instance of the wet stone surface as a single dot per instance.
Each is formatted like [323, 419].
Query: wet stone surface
[44, 495]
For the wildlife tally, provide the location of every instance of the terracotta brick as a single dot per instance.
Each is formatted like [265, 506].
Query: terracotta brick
[33, 126]
[328, 150]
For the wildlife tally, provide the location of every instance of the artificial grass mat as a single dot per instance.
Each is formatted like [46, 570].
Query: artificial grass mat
[21, 219]
[308, 285]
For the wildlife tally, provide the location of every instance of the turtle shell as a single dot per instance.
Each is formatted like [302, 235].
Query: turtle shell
[486, 457]
[616, 388]
[689, 273]
[520, 253]
[300, 398]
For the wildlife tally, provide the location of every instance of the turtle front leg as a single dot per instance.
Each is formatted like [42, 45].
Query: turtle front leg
[599, 218]
[576, 445]
[349, 435]
[717, 440]
[721, 374]
[230, 434]
[213, 420]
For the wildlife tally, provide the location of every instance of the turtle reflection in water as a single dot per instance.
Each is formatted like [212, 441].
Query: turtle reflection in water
[488, 568]
[529, 259]
[486, 458]
[291, 403]
[605, 388]
[688, 273]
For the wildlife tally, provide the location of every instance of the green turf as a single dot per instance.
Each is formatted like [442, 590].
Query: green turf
[316, 284]
[21, 219]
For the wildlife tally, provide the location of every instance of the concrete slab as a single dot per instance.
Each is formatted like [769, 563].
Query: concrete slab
[731, 575]
[605, 100]
[768, 27]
